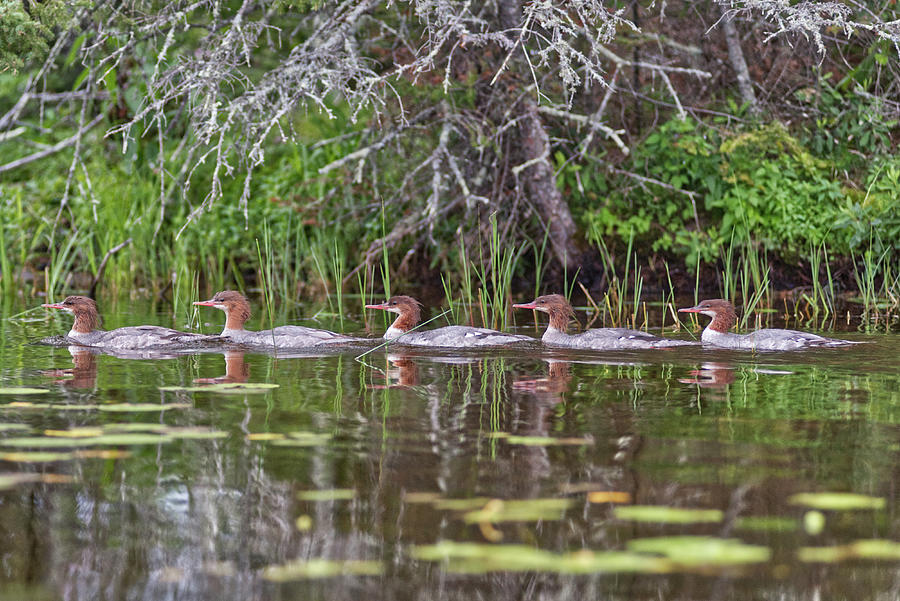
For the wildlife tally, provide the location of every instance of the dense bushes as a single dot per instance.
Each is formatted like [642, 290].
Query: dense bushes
[762, 185]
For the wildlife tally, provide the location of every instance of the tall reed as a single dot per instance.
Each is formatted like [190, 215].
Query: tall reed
[264, 255]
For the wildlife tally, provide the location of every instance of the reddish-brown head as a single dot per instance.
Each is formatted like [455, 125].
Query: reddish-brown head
[408, 309]
[87, 319]
[556, 306]
[235, 306]
[721, 311]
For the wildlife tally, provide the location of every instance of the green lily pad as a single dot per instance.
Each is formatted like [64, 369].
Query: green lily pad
[321, 568]
[479, 558]
[836, 501]
[701, 551]
[84, 432]
[528, 510]
[766, 523]
[48, 442]
[21, 390]
[195, 433]
[36, 456]
[335, 494]
[137, 427]
[226, 388]
[13, 427]
[666, 515]
[265, 436]
[139, 407]
[861, 549]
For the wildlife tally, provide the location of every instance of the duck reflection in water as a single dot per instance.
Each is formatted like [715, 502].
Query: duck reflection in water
[236, 370]
[401, 372]
[83, 373]
[711, 375]
[552, 386]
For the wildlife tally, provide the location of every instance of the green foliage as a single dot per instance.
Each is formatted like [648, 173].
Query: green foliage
[850, 125]
[774, 191]
[25, 34]
[682, 156]
[761, 187]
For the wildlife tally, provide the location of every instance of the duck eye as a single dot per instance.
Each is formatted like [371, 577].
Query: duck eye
[393, 303]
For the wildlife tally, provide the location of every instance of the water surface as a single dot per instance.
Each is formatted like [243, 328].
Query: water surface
[423, 475]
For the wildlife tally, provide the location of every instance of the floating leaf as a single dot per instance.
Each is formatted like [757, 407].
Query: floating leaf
[769, 523]
[74, 432]
[138, 407]
[529, 510]
[195, 433]
[475, 558]
[14, 427]
[137, 427]
[814, 522]
[265, 436]
[609, 496]
[321, 568]
[36, 457]
[226, 388]
[861, 549]
[335, 494]
[667, 515]
[23, 390]
[47, 442]
[547, 441]
[102, 453]
[836, 501]
[699, 551]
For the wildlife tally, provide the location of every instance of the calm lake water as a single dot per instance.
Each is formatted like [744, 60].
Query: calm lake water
[532, 474]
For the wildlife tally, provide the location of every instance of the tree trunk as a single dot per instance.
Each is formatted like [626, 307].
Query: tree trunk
[538, 177]
[540, 186]
[736, 57]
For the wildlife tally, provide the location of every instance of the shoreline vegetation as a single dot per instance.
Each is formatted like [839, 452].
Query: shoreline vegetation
[785, 200]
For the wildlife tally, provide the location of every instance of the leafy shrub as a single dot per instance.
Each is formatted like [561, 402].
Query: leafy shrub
[762, 186]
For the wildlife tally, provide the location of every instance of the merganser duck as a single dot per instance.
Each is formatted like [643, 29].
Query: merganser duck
[237, 312]
[86, 331]
[770, 339]
[601, 339]
[409, 312]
